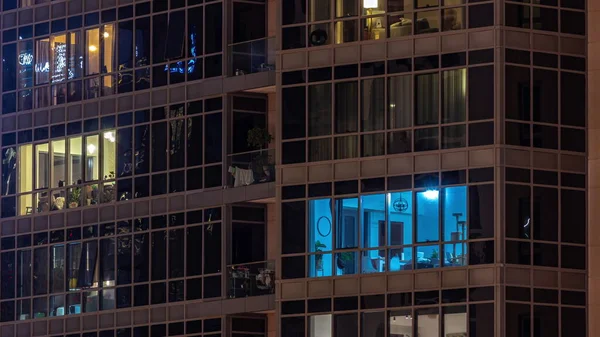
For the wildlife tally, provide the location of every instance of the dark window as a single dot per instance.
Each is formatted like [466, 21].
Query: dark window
[293, 11]
[293, 223]
[481, 211]
[572, 95]
[518, 134]
[518, 320]
[545, 214]
[481, 319]
[572, 22]
[481, 93]
[294, 37]
[545, 18]
[572, 140]
[573, 216]
[481, 16]
[517, 93]
[293, 107]
[517, 16]
[214, 29]
[249, 21]
[545, 96]
[518, 211]
[545, 136]
[346, 107]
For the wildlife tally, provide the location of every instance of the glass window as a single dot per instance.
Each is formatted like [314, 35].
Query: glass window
[320, 229]
[319, 109]
[319, 325]
[346, 325]
[25, 64]
[346, 107]
[125, 46]
[373, 324]
[212, 248]
[57, 268]
[517, 93]
[58, 57]
[346, 31]
[345, 8]
[213, 28]
[42, 61]
[142, 41]
[427, 215]
[427, 22]
[373, 104]
[125, 153]
[75, 55]
[455, 321]
[454, 91]
[25, 167]
[518, 209]
[426, 99]
[59, 164]
[75, 161]
[427, 322]
[92, 161]
[107, 262]
[346, 263]
[454, 19]
[400, 323]
[346, 223]
[400, 218]
[454, 212]
[399, 101]
[293, 107]
[24, 261]
[373, 220]
[92, 51]
[109, 154]
[73, 264]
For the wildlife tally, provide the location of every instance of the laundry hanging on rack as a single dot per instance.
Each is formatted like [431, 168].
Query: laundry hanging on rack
[241, 177]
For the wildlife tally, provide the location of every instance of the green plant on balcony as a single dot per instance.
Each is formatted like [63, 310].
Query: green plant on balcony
[75, 197]
[259, 139]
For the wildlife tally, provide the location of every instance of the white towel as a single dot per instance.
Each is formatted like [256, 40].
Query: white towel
[241, 177]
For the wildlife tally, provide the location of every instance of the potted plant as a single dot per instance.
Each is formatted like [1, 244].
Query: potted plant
[259, 139]
[75, 197]
[319, 256]
[435, 257]
[344, 261]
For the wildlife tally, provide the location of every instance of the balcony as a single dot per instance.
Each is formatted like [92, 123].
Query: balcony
[250, 168]
[253, 279]
[251, 65]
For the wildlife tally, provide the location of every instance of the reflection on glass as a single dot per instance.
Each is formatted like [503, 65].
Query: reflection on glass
[427, 215]
[42, 61]
[57, 268]
[58, 57]
[40, 269]
[25, 65]
[24, 273]
[373, 104]
[319, 325]
[400, 323]
[75, 55]
[92, 51]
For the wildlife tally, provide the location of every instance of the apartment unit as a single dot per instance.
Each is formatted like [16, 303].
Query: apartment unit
[295, 168]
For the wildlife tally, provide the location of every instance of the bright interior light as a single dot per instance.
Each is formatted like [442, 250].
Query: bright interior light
[110, 136]
[106, 34]
[370, 4]
[91, 148]
[431, 194]
[92, 48]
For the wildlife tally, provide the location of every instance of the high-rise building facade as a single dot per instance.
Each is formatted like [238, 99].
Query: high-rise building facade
[297, 168]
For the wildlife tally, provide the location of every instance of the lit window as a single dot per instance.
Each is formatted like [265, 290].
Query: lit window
[92, 51]
[92, 166]
[58, 58]
[108, 51]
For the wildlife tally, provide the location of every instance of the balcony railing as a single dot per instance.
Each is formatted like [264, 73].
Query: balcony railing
[252, 56]
[248, 168]
[253, 279]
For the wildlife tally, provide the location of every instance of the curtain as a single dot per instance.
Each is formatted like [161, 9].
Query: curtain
[399, 102]
[373, 101]
[454, 96]
[319, 110]
[42, 61]
[426, 99]
[346, 107]
[346, 147]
